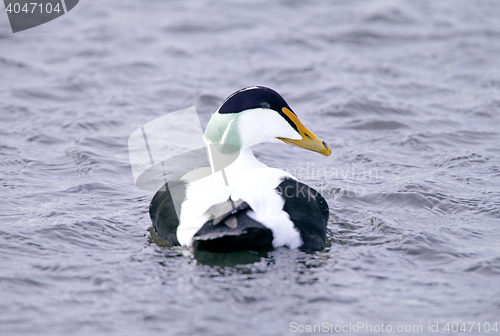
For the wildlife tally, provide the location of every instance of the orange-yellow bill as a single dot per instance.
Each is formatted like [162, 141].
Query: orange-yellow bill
[309, 140]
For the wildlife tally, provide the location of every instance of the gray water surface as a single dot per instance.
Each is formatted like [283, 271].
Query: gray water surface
[407, 93]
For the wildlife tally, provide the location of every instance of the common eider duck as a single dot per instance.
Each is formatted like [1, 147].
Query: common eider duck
[247, 205]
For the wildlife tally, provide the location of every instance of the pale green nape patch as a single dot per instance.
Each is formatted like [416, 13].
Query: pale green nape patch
[223, 129]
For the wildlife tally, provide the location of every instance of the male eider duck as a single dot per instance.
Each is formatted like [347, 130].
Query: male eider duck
[247, 205]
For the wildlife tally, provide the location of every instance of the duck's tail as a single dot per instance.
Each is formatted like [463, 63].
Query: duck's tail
[234, 231]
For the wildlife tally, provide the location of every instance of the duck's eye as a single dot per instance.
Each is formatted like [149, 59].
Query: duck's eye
[265, 105]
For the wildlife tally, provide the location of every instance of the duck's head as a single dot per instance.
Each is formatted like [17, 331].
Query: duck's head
[258, 114]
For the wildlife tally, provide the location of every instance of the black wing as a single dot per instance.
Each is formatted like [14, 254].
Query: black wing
[162, 210]
[308, 211]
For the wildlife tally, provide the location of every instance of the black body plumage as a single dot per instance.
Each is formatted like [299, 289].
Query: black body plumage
[236, 231]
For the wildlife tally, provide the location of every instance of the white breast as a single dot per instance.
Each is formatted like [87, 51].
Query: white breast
[255, 186]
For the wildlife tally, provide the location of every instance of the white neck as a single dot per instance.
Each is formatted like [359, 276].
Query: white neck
[246, 161]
